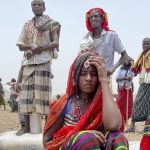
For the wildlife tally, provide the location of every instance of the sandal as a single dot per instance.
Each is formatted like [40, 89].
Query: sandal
[130, 130]
[22, 131]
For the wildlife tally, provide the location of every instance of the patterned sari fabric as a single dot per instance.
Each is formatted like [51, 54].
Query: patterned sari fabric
[84, 140]
[116, 141]
[141, 106]
[81, 140]
[90, 120]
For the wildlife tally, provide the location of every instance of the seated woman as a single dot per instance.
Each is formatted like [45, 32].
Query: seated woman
[86, 117]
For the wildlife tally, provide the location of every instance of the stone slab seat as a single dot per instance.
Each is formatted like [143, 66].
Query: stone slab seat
[9, 141]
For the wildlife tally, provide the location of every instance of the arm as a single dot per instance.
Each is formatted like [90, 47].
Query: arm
[111, 114]
[118, 63]
[23, 47]
[21, 43]
[123, 78]
[48, 136]
[52, 45]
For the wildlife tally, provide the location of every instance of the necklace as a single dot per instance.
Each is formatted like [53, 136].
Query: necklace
[87, 100]
[84, 100]
[77, 109]
[80, 106]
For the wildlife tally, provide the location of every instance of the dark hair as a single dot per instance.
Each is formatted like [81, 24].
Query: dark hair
[13, 80]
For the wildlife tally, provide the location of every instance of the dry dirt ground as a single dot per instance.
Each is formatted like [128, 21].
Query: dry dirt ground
[9, 122]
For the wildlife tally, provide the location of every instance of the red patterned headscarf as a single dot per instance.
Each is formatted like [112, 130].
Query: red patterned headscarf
[105, 19]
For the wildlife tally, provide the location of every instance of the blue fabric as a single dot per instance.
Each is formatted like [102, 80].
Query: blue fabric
[67, 109]
[122, 73]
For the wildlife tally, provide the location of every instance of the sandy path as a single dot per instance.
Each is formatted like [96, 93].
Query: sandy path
[9, 121]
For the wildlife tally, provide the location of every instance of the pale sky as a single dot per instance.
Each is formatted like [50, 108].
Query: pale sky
[129, 18]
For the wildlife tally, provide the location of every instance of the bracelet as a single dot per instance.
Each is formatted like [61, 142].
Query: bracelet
[104, 80]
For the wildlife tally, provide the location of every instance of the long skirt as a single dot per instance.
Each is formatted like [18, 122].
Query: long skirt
[84, 140]
[36, 89]
[125, 102]
[141, 106]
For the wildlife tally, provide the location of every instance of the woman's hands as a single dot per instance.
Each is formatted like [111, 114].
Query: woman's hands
[99, 136]
[99, 63]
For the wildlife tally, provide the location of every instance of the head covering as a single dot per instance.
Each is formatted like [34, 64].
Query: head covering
[78, 66]
[105, 19]
[90, 120]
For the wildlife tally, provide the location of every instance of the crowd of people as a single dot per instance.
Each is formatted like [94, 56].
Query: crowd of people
[86, 116]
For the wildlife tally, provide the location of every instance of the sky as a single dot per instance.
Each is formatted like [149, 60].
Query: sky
[129, 18]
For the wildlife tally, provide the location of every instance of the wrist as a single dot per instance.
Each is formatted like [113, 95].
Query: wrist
[104, 80]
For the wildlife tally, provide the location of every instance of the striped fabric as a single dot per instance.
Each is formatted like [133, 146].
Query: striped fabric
[69, 120]
[36, 88]
[147, 130]
[116, 141]
[81, 141]
[84, 140]
[141, 107]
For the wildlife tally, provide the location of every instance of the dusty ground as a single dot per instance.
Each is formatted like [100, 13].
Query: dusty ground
[9, 121]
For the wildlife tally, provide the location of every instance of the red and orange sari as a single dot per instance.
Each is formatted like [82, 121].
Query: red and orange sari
[91, 120]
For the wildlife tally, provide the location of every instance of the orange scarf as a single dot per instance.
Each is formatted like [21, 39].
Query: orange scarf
[91, 120]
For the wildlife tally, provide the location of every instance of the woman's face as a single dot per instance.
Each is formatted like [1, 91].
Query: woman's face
[88, 80]
[96, 19]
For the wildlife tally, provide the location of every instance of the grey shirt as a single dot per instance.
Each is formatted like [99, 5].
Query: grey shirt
[106, 45]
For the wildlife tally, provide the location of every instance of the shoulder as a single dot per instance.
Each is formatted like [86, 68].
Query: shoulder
[87, 35]
[111, 33]
[28, 22]
[47, 17]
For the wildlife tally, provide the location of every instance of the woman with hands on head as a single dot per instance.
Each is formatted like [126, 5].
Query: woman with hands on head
[86, 117]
